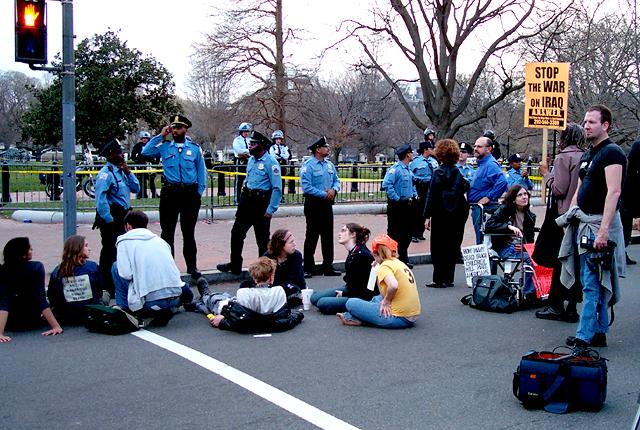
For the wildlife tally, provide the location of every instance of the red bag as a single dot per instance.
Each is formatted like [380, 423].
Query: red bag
[542, 275]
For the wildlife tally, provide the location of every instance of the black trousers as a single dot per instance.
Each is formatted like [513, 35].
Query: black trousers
[183, 201]
[241, 167]
[319, 216]
[627, 224]
[446, 238]
[558, 293]
[109, 234]
[251, 209]
[400, 226]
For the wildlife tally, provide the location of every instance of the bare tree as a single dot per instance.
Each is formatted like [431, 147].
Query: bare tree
[250, 41]
[434, 35]
[15, 100]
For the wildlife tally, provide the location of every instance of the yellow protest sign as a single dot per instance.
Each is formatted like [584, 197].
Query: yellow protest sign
[546, 91]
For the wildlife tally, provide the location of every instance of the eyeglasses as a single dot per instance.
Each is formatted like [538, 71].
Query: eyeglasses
[481, 146]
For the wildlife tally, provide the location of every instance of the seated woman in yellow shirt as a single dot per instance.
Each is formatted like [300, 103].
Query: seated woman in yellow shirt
[398, 305]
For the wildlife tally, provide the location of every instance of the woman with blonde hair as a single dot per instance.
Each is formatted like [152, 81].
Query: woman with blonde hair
[398, 305]
[76, 282]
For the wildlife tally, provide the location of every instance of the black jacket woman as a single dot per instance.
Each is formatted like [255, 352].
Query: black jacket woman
[513, 224]
[446, 212]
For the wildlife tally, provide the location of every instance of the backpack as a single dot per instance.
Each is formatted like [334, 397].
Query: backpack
[109, 320]
[491, 293]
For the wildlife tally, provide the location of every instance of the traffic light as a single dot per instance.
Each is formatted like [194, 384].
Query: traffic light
[31, 31]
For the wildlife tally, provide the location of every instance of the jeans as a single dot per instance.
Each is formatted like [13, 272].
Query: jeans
[510, 252]
[327, 302]
[122, 294]
[369, 313]
[593, 318]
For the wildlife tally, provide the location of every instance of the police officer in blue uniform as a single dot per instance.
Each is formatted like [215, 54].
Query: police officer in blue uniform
[259, 200]
[185, 179]
[114, 185]
[280, 151]
[320, 185]
[401, 193]
[422, 168]
[516, 176]
[241, 156]
[466, 170]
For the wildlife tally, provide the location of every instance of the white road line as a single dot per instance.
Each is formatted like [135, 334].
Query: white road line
[278, 397]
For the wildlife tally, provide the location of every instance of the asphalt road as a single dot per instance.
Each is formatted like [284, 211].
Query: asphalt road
[453, 370]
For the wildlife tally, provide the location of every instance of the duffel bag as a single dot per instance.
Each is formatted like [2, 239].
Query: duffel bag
[557, 382]
[110, 320]
[491, 293]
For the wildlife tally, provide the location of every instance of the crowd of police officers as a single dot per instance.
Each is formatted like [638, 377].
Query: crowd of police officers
[260, 164]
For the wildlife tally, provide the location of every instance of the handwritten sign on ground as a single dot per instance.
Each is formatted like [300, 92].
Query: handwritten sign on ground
[476, 261]
[546, 91]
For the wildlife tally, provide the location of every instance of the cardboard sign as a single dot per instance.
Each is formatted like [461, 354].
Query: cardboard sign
[476, 261]
[373, 277]
[546, 92]
[77, 288]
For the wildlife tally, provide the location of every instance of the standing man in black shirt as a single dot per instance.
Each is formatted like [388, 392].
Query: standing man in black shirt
[602, 169]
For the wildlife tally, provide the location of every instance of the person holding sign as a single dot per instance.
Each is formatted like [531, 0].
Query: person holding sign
[76, 282]
[446, 213]
[23, 302]
[357, 267]
[398, 305]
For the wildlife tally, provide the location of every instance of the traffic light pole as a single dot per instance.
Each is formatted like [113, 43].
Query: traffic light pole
[68, 120]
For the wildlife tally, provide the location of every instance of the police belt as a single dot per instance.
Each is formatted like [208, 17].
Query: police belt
[261, 194]
[179, 186]
[401, 202]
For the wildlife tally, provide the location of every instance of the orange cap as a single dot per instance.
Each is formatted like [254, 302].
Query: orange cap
[385, 240]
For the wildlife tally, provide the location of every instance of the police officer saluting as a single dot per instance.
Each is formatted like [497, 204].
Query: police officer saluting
[185, 177]
[259, 200]
[114, 186]
[320, 186]
[398, 183]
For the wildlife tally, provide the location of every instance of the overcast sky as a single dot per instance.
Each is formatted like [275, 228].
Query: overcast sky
[166, 29]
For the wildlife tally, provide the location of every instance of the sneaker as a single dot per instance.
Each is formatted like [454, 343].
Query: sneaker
[227, 267]
[203, 286]
[415, 240]
[346, 321]
[436, 285]
[331, 272]
[162, 319]
[409, 265]
[630, 262]
[422, 238]
[308, 275]
[577, 342]
[550, 313]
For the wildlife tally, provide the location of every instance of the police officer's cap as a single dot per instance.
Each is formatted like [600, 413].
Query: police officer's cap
[259, 139]
[180, 120]
[322, 142]
[465, 147]
[425, 145]
[515, 158]
[403, 150]
[111, 147]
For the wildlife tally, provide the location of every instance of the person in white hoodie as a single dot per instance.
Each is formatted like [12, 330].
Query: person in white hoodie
[145, 274]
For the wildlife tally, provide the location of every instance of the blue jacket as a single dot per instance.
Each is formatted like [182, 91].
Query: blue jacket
[316, 177]
[514, 177]
[423, 168]
[113, 186]
[398, 183]
[489, 181]
[264, 174]
[467, 171]
[65, 301]
[180, 165]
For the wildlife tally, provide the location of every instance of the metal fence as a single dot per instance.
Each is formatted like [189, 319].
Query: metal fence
[38, 186]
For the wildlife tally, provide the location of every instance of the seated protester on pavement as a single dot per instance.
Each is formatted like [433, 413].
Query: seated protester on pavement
[512, 224]
[76, 282]
[398, 305]
[357, 267]
[289, 269]
[23, 303]
[145, 274]
[260, 308]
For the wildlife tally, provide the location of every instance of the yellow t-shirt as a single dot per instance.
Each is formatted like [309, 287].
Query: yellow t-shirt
[406, 302]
